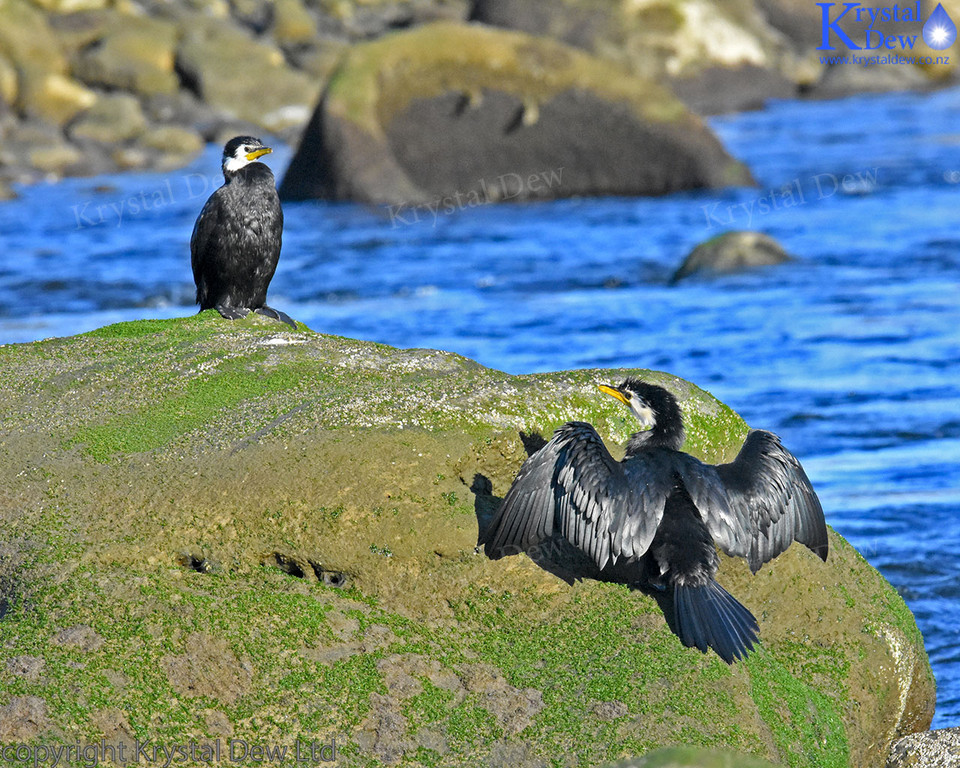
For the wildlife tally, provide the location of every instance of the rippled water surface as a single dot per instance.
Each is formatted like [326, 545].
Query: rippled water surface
[851, 352]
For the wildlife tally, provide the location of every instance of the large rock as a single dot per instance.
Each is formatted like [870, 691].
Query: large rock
[235, 530]
[457, 115]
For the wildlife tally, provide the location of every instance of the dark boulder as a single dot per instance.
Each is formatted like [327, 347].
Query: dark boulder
[455, 115]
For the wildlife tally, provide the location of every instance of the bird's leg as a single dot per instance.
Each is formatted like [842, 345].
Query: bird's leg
[653, 577]
[276, 314]
[232, 313]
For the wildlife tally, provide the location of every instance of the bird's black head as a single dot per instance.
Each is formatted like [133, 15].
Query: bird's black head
[240, 151]
[654, 407]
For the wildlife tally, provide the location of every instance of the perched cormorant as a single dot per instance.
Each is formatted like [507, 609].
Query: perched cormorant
[235, 244]
[655, 517]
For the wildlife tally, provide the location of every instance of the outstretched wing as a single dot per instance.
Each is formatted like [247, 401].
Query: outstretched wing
[573, 485]
[770, 502]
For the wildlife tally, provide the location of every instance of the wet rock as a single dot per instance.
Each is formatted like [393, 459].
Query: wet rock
[731, 252]
[510, 133]
[930, 749]
[114, 118]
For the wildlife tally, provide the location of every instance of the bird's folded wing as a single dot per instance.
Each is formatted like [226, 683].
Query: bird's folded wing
[203, 230]
[771, 503]
[573, 484]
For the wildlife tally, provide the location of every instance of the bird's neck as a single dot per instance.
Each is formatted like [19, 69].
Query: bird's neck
[661, 436]
[250, 173]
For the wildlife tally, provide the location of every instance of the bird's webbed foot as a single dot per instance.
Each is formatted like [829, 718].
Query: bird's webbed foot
[276, 314]
[232, 313]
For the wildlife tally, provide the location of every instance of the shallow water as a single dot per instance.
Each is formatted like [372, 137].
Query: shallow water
[851, 352]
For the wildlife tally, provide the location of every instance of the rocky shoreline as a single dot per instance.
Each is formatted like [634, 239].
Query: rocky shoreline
[91, 86]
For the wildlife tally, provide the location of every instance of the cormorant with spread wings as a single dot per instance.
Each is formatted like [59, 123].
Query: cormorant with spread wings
[657, 514]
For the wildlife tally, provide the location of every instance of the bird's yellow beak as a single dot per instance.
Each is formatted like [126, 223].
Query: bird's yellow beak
[614, 392]
[251, 156]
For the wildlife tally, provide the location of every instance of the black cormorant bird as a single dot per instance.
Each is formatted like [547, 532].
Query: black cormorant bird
[655, 517]
[235, 244]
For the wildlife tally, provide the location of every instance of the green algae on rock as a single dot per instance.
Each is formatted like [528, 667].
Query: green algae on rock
[509, 107]
[219, 530]
[690, 757]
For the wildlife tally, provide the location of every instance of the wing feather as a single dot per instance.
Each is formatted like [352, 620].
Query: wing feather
[201, 243]
[573, 485]
[771, 503]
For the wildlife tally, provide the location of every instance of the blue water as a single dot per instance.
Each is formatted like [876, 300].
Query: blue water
[851, 353]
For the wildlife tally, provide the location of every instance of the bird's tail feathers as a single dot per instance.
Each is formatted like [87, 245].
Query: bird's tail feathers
[710, 617]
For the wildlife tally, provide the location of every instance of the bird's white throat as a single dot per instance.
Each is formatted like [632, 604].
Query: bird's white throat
[234, 164]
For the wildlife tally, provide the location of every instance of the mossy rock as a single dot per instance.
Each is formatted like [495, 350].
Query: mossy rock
[512, 110]
[691, 757]
[135, 54]
[734, 251]
[218, 530]
[244, 77]
[27, 40]
[114, 118]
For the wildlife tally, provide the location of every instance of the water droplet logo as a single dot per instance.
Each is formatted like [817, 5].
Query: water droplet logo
[939, 32]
